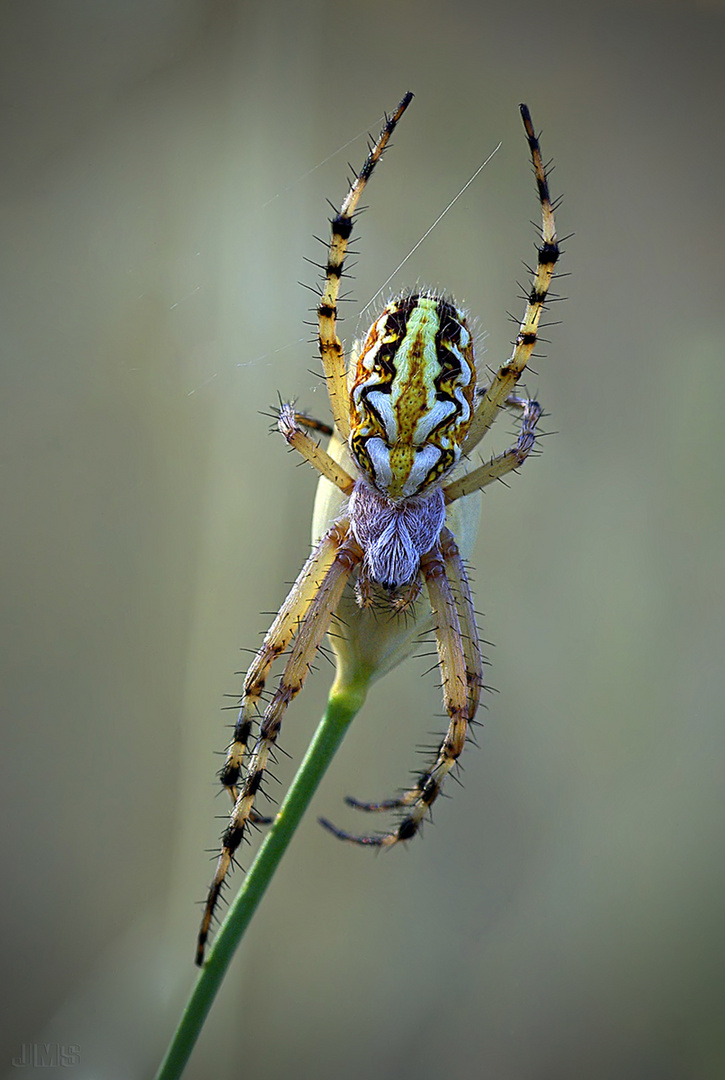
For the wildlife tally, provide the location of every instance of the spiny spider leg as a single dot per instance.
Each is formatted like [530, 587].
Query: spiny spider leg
[471, 650]
[313, 424]
[373, 807]
[513, 401]
[331, 351]
[460, 585]
[308, 639]
[506, 378]
[503, 463]
[457, 694]
[301, 442]
[276, 640]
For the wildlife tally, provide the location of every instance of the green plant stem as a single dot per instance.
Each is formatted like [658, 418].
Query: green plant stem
[343, 704]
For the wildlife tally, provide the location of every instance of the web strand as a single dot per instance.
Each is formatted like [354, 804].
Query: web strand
[428, 231]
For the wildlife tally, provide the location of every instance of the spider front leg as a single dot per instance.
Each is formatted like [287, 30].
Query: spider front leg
[470, 641]
[470, 638]
[460, 667]
[308, 639]
[276, 640]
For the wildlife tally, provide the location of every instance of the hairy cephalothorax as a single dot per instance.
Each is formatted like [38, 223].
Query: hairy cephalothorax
[394, 533]
[408, 414]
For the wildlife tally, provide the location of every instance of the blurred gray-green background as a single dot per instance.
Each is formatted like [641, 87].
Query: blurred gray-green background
[165, 166]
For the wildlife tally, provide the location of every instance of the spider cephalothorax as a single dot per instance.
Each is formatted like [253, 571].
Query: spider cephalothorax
[394, 534]
[409, 413]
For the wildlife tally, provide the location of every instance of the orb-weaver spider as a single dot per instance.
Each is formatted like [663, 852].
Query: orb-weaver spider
[409, 411]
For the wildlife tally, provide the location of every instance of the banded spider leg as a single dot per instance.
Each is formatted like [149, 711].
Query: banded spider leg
[308, 637]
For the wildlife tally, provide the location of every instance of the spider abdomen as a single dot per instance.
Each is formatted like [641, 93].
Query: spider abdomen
[412, 395]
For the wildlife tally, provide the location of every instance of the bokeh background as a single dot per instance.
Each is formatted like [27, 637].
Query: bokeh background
[165, 166]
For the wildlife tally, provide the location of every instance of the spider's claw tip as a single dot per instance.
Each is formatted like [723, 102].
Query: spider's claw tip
[331, 828]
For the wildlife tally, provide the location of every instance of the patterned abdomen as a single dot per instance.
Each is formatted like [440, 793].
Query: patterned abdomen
[411, 400]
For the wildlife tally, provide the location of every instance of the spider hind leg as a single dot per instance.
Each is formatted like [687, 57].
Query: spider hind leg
[330, 346]
[502, 385]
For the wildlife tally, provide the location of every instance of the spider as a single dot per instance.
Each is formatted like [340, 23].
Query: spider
[410, 411]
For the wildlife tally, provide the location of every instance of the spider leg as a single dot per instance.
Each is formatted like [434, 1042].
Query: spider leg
[471, 650]
[276, 640]
[513, 401]
[308, 638]
[314, 425]
[461, 688]
[470, 637]
[331, 351]
[506, 378]
[289, 425]
[372, 807]
[503, 463]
